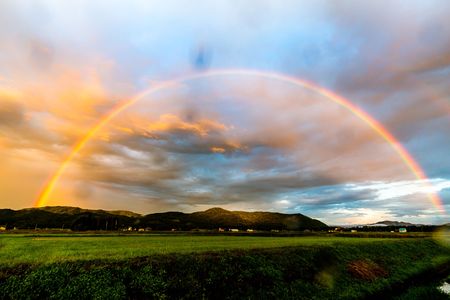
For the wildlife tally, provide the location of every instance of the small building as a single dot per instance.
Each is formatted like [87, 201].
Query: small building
[234, 230]
[402, 230]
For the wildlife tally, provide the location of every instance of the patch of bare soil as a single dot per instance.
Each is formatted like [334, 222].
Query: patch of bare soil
[366, 270]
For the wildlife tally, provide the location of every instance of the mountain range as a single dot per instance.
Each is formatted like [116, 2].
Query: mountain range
[77, 218]
[394, 223]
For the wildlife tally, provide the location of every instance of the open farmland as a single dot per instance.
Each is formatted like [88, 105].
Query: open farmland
[174, 266]
[66, 247]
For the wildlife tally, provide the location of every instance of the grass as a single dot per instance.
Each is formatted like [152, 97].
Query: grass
[170, 266]
[425, 291]
[34, 249]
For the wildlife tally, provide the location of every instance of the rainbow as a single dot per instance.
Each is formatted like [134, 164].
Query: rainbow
[355, 110]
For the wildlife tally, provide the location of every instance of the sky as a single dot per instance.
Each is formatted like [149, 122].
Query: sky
[240, 140]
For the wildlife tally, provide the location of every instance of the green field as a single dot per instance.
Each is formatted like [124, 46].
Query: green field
[56, 248]
[191, 266]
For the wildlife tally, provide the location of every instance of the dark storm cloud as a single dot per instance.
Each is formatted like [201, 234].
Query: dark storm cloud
[275, 184]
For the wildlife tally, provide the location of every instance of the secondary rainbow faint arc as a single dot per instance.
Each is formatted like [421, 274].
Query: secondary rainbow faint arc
[358, 112]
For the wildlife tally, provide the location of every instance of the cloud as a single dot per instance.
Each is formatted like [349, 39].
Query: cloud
[393, 190]
[238, 142]
[11, 114]
[173, 124]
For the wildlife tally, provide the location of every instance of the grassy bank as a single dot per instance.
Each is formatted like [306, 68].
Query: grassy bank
[430, 290]
[328, 268]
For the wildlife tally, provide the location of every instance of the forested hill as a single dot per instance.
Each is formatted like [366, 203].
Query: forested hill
[84, 219]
